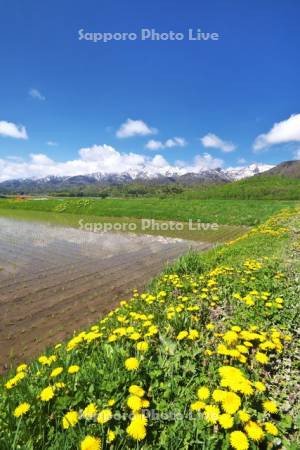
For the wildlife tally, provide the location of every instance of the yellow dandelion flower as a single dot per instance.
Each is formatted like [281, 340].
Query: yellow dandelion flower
[203, 393]
[254, 431]
[260, 386]
[22, 368]
[230, 337]
[198, 405]
[73, 369]
[134, 402]
[137, 427]
[262, 358]
[242, 349]
[22, 409]
[15, 380]
[70, 419]
[104, 416]
[271, 428]
[226, 421]
[182, 335]
[56, 372]
[209, 352]
[90, 443]
[239, 440]
[270, 406]
[47, 394]
[135, 336]
[43, 360]
[136, 390]
[111, 436]
[245, 388]
[218, 395]
[243, 416]
[132, 364]
[243, 359]
[248, 344]
[211, 414]
[89, 411]
[231, 402]
[193, 334]
[142, 346]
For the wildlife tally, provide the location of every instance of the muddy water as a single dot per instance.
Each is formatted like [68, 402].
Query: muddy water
[54, 280]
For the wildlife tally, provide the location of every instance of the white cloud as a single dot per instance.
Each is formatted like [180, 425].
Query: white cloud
[211, 140]
[10, 129]
[175, 142]
[282, 132]
[40, 159]
[104, 159]
[154, 145]
[36, 94]
[297, 154]
[52, 143]
[241, 161]
[201, 162]
[169, 143]
[134, 128]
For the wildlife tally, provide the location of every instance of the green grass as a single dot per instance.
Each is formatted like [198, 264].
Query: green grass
[251, 282]
[254, 188]
[231, 212]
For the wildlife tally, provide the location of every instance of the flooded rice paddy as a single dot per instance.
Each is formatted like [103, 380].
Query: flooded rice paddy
[56, 279]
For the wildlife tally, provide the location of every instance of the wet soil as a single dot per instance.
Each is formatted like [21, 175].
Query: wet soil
[55, 280]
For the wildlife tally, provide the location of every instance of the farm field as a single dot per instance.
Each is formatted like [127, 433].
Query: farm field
[206, 357]
[55, 279]
[223, 212]
[193, 231]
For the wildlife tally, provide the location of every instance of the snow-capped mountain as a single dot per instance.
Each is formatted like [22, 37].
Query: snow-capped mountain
[180, 175]
[237, 173]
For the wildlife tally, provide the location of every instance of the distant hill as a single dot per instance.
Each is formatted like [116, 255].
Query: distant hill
[281, 182]
[262, 187]
[285, 169]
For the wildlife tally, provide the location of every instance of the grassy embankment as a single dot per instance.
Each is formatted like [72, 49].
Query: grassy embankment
[210, 349]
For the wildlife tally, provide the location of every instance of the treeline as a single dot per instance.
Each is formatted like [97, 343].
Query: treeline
[125, 190]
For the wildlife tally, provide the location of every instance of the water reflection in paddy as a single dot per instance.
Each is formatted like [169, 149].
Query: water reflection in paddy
[55, 279]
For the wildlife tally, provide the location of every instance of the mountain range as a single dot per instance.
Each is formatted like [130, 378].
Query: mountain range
[205, 176]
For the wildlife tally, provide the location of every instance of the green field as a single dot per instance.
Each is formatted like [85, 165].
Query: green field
[254, 188]
[226, 212]
[167, 228]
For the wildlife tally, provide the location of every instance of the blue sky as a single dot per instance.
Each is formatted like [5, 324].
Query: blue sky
[217, 97]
